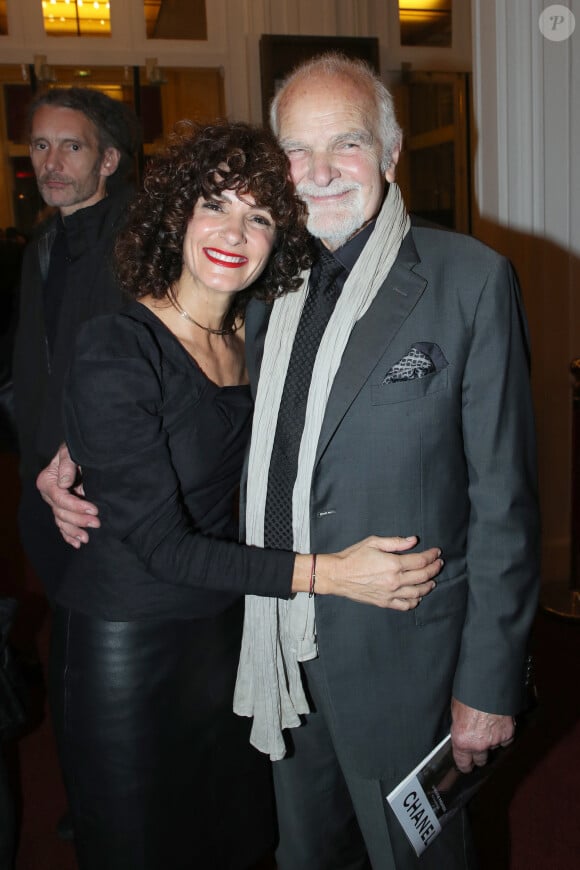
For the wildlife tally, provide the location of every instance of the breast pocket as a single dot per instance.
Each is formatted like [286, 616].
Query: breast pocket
[406, 391]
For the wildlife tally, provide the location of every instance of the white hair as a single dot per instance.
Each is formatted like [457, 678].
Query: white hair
[360, 73]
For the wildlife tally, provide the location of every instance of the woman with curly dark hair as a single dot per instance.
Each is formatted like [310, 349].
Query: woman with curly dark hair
[159, 772]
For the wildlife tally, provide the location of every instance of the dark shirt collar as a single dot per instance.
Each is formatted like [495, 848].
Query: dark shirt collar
[91, 212]
[85, 225]
[348, 254]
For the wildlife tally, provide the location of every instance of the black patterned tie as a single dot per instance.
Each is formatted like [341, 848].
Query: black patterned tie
[319, 305]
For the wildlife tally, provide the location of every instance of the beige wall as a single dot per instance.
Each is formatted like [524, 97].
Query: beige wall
[527, 187]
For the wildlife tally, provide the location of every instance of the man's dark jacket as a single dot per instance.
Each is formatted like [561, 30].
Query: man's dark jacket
[90, 290]
[39, 374]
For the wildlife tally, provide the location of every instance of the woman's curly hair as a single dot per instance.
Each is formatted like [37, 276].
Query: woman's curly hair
[204, 160]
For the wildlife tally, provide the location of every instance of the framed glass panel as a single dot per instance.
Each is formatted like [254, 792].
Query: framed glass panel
[434, 171]
[175, 19]
[76, 17]
[425, 22]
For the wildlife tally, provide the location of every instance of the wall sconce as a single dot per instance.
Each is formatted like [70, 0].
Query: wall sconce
[42, 71]
[154, 74]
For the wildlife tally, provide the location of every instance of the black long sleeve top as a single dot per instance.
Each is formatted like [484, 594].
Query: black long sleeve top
[161, 448]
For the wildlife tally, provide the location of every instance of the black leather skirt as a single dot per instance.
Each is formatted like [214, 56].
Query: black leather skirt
[158, 770]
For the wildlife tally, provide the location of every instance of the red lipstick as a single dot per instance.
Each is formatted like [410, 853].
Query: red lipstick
[225, 258]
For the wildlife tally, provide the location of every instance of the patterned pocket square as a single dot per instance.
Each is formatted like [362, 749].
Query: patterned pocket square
[420, 360]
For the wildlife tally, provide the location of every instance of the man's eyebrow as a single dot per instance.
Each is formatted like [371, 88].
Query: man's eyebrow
[65, 140]
[292, 143]
[365, 137]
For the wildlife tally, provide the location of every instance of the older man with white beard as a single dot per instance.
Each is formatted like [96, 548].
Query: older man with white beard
[413, 414]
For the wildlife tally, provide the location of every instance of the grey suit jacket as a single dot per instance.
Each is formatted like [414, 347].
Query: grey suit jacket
[449, 457]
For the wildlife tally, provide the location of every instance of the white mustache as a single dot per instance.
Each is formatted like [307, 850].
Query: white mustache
[313, 191]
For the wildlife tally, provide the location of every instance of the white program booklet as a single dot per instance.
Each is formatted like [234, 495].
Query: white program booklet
[428, 798]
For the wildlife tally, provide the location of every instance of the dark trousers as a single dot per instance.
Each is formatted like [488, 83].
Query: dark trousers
[158, 770]
[332, 818]
[43, 544]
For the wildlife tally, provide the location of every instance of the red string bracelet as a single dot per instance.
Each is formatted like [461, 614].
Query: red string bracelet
[312, 576]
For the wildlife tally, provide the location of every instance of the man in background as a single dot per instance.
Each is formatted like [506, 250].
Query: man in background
[82, 147]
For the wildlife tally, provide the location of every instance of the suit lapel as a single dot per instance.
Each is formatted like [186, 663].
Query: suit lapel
[368, 342]
[257, 320]
[372, 335]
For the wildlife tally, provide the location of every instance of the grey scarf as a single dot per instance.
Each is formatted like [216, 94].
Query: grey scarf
[278, 634]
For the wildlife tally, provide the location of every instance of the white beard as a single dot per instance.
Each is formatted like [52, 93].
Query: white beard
[333, 224]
